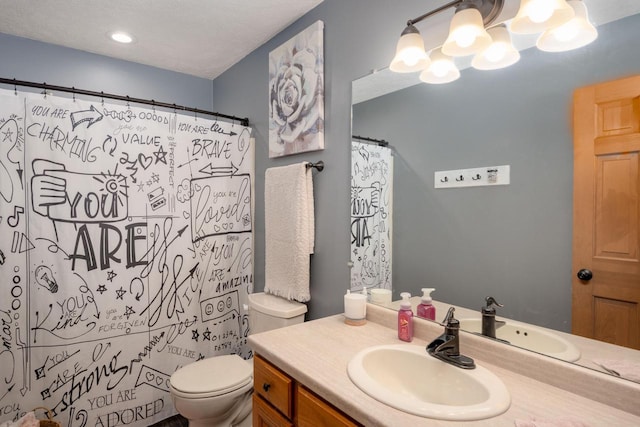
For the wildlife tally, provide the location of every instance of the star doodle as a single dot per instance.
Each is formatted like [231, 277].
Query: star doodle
[149, 182]
[128, 311]
[111, 275]
[160, 155]
[8, 134]
[195, 334]
[120, 292]
[141, 187]
[206, 335]
[102, 289]
[155, 177]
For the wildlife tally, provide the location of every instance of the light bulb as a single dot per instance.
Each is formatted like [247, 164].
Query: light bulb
[44, 278]
[440, 68]
[495, 52]
[465, 36]
[566, 32]
[540, 11]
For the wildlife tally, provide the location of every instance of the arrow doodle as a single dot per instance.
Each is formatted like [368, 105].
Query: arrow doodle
[92, 115]
[210, 170]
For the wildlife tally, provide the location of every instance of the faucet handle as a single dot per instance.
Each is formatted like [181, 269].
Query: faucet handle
[450, 322]
[449, 316]
[492, 301]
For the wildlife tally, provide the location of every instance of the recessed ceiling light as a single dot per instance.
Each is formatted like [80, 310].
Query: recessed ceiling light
[121, 37]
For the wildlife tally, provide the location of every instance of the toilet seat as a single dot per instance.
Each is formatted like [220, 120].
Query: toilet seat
[212, 377]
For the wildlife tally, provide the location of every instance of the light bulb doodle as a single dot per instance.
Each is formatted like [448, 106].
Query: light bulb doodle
[44, 278]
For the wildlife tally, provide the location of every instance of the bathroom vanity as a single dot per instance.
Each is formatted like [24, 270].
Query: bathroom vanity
[311, 360]
[279, 401]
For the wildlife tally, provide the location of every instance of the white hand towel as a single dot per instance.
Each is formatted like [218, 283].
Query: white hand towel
[289, 231]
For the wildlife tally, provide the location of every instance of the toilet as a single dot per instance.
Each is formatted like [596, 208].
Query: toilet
[217, 391]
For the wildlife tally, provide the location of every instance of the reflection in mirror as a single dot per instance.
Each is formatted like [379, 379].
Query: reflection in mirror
[513, 242]
[371, 213]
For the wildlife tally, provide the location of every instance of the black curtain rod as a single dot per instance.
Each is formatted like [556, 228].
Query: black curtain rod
[380, 142]
[244, 121]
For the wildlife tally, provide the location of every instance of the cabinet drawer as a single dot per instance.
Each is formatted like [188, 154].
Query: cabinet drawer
[273, 385]
[312, 411]
[265, 416]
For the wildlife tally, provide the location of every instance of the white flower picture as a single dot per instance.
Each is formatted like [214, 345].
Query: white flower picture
[296, 94]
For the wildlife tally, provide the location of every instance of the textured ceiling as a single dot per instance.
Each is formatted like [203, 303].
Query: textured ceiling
[198, 37]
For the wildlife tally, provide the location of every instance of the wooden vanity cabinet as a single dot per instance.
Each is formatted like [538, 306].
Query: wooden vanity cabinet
[280, 401]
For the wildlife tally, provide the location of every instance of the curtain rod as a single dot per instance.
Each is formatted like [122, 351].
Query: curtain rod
[380, 142]
[244, 121]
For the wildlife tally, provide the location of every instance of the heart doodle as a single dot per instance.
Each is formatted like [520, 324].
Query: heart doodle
[145, 161]
[186, 214]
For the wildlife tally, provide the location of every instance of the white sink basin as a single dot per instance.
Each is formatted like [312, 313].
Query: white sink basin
[407, 378]
[528, 337]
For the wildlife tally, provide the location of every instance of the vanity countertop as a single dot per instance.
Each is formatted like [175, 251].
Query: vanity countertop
[316, 354]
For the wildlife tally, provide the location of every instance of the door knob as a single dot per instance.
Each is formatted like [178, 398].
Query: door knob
[585, 274]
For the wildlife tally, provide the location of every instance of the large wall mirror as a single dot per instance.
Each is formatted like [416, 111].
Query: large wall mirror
[513, 242]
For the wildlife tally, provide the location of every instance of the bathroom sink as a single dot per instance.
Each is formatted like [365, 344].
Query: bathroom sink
[407, 378]
[528, 337]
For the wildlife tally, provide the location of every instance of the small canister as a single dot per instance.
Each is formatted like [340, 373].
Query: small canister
[355, 309]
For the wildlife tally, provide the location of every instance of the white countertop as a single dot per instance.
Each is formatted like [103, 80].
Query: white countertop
[316, 354]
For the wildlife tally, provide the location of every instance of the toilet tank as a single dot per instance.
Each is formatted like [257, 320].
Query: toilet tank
[267, 312]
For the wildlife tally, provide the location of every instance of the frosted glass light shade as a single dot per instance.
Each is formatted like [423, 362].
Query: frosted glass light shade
[466, 34]
[441, 70]
[499, 54]
[576, 33]
[410, 54]
[536, 16]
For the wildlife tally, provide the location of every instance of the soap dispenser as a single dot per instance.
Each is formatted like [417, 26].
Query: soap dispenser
[405, 318]
[426, 310]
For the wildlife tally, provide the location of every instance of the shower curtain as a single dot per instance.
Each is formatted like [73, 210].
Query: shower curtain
[126, 252]
[371, 216]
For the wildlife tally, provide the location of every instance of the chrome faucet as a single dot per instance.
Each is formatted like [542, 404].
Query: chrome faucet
[489, 321]
[447, 346]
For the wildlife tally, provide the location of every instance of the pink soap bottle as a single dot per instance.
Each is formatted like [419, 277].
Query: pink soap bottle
[426, 310]
[405, 318]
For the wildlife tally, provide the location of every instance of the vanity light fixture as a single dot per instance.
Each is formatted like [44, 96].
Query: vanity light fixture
[499, 54]
[578, 32]
[466, 33]
[442, 69]
[535, 16]
[564, 23]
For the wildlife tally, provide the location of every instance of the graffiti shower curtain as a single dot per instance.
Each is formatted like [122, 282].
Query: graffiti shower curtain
[371, 215]
[126, 252]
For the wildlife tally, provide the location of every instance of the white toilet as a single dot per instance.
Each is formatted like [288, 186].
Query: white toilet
[217, 391]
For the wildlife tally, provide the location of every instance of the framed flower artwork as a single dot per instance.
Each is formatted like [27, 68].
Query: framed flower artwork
[296, 94]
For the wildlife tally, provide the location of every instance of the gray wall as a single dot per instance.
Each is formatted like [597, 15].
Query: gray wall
[359, 35]
[512, 242]
[34, 61]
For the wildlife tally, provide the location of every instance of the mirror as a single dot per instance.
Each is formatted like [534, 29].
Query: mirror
[513, 242]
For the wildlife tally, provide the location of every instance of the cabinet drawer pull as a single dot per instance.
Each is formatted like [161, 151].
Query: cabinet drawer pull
[266, 387]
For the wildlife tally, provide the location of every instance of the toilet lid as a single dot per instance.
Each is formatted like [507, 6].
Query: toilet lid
[215, 375]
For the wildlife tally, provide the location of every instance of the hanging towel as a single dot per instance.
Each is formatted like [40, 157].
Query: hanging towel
[289, 231]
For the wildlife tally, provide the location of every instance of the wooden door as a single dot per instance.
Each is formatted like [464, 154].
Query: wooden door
[606, 212]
